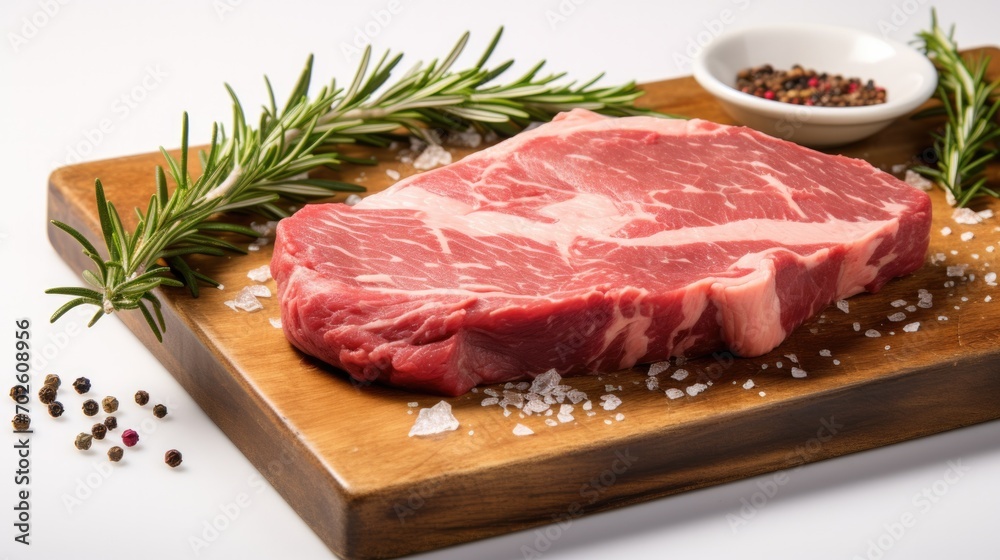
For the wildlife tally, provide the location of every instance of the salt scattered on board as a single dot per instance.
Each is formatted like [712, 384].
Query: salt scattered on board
[434, 420]
[260, 274]
[872, 333]
[825, 353]
[275, 322]
[611, 402]
[912, 327]
[260, 290]
[798, 373]
[432, 156]
[522, 430]
[844, 305]
[680, 375]
[657, 368]
[696, 388]
[674, 393]
[392, 174]
[246, 301]
[897, 317]
[748, 384]
[967, 236]
[917, 180]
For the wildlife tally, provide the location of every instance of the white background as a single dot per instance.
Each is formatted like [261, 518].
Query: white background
[68, 71]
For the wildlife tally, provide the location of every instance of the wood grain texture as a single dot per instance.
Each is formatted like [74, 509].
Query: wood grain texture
[339, 452]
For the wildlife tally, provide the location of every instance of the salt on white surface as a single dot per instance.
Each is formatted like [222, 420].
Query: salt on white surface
[657, 368]
[917, 180]
[352, 199]
[260, 274]
[748, 384]
[696, 388]
[432, 156]
[872, 333]
[275, 322]
[967, 236]
[247, 301]
[434, 420]
[522, 430]
[798, 373]
[610, 402]
[680, 375]
[912, 327]
[897, 317]
[674, 393]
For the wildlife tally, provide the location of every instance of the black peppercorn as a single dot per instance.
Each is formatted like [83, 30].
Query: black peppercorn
[55, 409]
[53, 379]
[98, 431]
[83, 441]
[46, 394]
[18, 393]
[141, 398]
[159, 411]
[82, 385]
[90, 407]
[173, 458]
[115, 454]
[109, 404]
[21, 422]
[111, 423]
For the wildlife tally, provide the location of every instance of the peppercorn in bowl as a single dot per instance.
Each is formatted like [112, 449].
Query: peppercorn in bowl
[815, 85]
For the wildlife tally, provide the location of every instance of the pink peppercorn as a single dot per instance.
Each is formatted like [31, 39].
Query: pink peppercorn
[768, 94]
[130, 438]
[813, 82]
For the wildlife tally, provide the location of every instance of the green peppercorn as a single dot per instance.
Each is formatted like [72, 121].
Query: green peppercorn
[83, 441]
[82, 385]
[173, 458]
[90, 407]
[21, 422]
[115, 454]
[141, 398]
[46, 394]
[19, 393]
[159, 411]
[53, 379]
[111, 423]
[109, 404]
[98, 431]
[56, 409]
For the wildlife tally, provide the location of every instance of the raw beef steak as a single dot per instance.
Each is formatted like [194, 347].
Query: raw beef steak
[590, 244]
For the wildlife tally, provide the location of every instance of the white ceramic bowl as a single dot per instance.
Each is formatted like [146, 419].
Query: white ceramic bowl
[908, 77]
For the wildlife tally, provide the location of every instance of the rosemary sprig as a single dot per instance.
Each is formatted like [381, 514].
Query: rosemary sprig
[968, 99]
[255, 169]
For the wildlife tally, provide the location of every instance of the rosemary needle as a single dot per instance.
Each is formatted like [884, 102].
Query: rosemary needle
[256, 169]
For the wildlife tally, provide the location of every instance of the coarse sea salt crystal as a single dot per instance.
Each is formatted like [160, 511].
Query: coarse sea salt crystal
[260, 274]
[467, 139]
[392, 174]
[966, 216]
[988, 299]
[546, 382]
[619, 417]
[275, 322]
[898, 168]
[587, 405]
[674, 393]
[836, 362]
[260, 290]
[857, 327]
[551, 422]
[872, 333]
[792, 358]
[522, 430]
[917, 180]
[246, 301]
[763, 366]
[911, 308]
[898, 303]
[762, 393]
[912, 327]
[897, 317]
[946, 230]
[844, 305]
[231, 304]
[657, 368]
[957, 270]
[696, 388]
[778, 365]
[652, 383]
[413, 404]
[432, 156]
[352, 199]
[798, 373]
[967, 236]
[942, 318]
[990, 278]
[748, 384]
[489, 401]
[434, 420]
[825, 353]
[680, 375]
[611, 402]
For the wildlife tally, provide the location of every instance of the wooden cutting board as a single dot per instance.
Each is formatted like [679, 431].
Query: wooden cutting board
[339, 452]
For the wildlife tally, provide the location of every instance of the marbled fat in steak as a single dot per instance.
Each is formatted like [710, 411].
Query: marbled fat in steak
[588, 245]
